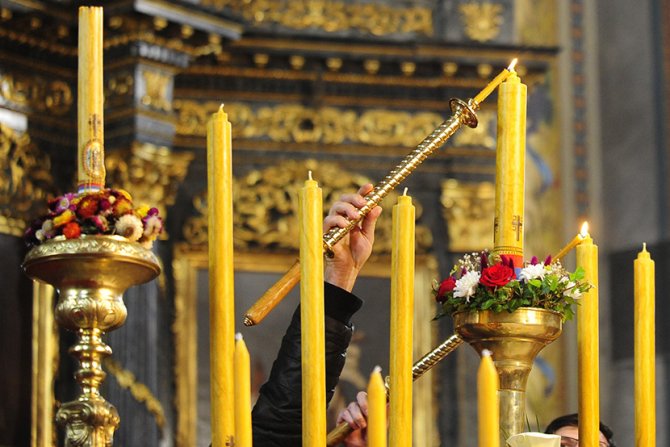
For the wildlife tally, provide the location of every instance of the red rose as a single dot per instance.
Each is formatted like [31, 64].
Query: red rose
[446, 286]
[497, 275]
[71, 230]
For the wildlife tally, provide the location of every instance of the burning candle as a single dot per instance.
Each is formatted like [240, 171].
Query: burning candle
[573, 243]
[376, 409]
[242, 394]
[488, 405]
[587, 346]
[510, 169]
[481, 96]
[312, 316]
[221, 277]
[645, 350]
[402, 311]
[90, 102]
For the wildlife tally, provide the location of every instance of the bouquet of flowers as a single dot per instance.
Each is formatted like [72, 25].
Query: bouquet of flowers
[104, 212]
[481, 281]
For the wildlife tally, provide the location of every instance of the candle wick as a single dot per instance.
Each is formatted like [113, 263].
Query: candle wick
[486, 353]
[377, 369]
[513, 64]
[404, 193]
[238, 336]
[644, 246]
[310, 174]
[221, 108]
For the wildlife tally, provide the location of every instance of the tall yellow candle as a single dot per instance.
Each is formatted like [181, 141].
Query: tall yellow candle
[645, 350]
[510, 169]
[488, 405]
[376, 409]
[221, 277]
[242, 394]
[402, 310]
[312, 316]
[587, 347]
[90, 102]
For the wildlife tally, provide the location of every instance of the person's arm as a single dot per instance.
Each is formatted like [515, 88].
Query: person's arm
[276, 417]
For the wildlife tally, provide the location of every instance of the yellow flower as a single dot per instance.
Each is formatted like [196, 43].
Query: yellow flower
[64, 218]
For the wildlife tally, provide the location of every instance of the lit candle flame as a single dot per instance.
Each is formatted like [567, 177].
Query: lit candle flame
[584, 232]
[513, 64]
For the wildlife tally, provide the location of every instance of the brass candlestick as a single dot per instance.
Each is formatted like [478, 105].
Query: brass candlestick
[463, 113]
[515, 339]
[90, 273]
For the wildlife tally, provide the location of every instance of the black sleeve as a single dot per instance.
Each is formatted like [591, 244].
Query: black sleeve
[277, 415]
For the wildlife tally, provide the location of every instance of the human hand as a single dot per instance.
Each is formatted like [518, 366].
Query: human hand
[356, 415]
[350, 253]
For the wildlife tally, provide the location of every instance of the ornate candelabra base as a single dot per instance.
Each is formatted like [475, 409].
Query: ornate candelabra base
[515, 339]
[91, 274]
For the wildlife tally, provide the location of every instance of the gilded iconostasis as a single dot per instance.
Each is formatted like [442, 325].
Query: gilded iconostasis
[342, 88]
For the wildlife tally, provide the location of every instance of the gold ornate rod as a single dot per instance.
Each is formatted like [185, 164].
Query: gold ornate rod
[462, 114]
[429, 360]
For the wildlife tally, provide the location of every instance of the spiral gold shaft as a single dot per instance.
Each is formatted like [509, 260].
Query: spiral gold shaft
[462, 114]
[422, 366]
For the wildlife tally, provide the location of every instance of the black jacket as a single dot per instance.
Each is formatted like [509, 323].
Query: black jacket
[277, 415]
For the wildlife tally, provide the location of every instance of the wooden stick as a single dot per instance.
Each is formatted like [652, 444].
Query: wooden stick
[273, 296]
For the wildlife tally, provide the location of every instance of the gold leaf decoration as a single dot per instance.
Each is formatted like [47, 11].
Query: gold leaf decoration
[25, 181]
[482, 21]
[265, 207]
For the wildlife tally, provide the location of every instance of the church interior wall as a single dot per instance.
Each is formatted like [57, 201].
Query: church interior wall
[350, 97]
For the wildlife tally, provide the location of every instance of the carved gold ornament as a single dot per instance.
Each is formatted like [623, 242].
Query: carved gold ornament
[265, 207]
[36, 93]
[140, 392]
[152, 173]
[157, 87]
[25, 180]
[332, 16]
[468, 209]
[328, 125]
[482, 21]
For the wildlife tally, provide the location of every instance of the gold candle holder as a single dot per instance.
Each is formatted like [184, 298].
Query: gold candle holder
[91, 274]
[515, 339]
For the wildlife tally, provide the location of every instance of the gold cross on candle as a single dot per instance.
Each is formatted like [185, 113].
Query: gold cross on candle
[517, 225]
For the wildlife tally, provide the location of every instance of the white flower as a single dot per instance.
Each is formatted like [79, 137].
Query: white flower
[532, 272]
[571, 291]
[129, 226]
[466, 285]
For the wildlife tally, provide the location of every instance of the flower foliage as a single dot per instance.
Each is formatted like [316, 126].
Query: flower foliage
[480, 281]
[104, 212]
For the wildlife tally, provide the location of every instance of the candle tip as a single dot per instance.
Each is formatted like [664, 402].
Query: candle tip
[486, 353]
[584, 232]
[404, 193]
[238, 336]
[512, 64]
[377, 369]
[644, 246]
[221, 108]
[309, 174]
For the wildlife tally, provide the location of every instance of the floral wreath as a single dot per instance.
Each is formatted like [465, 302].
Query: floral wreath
[104, 212]
[482, 281]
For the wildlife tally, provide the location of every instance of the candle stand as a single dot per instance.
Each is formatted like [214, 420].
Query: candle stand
[514, 339]
[90, 273]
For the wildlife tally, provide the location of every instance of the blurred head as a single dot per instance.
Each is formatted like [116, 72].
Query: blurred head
[567, 428]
